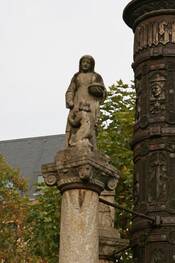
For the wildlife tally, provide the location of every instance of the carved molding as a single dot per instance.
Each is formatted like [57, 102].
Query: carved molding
[138, 8]
[145, 148]
[150, 132]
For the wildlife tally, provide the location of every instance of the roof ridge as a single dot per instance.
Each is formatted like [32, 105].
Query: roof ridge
[31, 138]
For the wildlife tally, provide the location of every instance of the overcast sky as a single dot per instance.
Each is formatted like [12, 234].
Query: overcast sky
[41, 42]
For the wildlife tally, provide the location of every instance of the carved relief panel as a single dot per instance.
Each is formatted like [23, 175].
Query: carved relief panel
[151, 179]
[157, 99]
[152, 94]
[157, 178]
[154, 170]
[171, 93]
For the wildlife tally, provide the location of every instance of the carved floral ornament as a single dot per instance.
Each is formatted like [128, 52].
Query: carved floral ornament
[154, 33]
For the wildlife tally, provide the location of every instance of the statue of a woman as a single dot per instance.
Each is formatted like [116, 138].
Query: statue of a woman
[84, 95]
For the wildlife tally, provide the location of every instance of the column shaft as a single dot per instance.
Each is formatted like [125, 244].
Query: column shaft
[79, 227]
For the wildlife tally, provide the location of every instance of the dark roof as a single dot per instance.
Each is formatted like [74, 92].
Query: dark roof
[29, 154]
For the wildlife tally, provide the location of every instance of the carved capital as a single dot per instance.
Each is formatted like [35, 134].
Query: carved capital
[76, 168]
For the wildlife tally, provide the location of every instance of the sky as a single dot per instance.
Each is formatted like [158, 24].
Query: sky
[41, 42]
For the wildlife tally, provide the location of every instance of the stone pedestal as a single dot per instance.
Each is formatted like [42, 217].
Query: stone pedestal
[81, 175]
[110, 239]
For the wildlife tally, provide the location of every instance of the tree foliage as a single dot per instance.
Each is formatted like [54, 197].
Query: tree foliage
[13, 210]
[29, 230]
[115, 135]
[42, 233]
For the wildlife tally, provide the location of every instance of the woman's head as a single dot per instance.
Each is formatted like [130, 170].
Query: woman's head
[86, 64]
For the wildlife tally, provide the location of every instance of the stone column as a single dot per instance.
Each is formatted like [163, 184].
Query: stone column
[79, 226]
[153, 23]
[81, 175]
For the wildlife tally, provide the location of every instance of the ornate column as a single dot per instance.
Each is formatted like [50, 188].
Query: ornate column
[81, 175]
[153, 23]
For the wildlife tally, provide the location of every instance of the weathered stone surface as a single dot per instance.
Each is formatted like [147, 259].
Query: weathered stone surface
[84, 95]
[79, 167]
[79, 241]
[81, 173]
[106, 213]
[110, 239]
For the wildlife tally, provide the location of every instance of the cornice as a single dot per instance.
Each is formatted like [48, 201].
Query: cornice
[137, 10]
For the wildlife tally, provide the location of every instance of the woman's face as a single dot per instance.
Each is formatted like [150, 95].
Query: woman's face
[85, 65]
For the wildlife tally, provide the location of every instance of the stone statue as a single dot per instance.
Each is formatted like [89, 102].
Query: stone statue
[84, 95]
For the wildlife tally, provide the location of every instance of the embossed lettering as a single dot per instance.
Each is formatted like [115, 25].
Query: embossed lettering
[153, 34]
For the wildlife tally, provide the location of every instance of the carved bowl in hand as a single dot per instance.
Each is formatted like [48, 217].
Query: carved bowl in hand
[96, 90]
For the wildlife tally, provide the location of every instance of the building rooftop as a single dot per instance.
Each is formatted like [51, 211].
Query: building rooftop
[28, 154]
